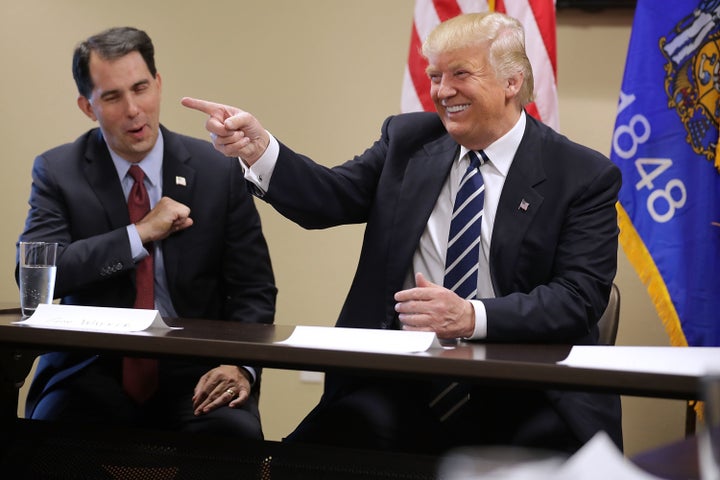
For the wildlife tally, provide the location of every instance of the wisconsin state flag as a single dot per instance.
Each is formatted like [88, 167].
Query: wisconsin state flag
[666, 143]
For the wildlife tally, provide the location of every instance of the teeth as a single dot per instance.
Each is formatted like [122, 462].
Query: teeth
[456, 108]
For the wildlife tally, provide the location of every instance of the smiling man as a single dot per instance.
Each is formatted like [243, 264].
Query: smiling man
[146, 218]
[528, 254]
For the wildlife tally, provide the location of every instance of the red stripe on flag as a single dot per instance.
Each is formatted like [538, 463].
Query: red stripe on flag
[446, 10]
[417, 65]
[545, 18]
[532, 110]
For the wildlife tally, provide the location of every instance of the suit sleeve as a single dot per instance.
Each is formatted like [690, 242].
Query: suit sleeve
[247, 268]
[315, 196]
[51, 216]
[560, 285]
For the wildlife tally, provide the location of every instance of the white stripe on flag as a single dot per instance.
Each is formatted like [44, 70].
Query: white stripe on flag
[545, 82]
[409, 101]
[425, 18]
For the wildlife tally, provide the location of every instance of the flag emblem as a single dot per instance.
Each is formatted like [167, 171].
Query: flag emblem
[692, 80]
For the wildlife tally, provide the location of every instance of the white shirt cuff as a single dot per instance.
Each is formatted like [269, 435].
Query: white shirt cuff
[261, 171]
[480, 331]
[137, 250]
[252, 373]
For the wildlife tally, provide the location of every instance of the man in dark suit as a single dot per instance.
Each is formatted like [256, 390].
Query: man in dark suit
[546, 252]
[202, 232]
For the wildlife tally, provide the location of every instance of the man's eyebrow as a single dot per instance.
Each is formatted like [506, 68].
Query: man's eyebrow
[460, 65]
[109, 93]
[116, 91]
[139, 83]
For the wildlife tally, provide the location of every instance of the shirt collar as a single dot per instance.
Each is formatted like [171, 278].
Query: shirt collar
[502, 151]
[151, 164]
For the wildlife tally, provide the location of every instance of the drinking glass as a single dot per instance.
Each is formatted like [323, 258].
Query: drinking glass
[37, 274]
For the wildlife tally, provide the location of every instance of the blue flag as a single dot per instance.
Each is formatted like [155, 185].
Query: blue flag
[666, 144]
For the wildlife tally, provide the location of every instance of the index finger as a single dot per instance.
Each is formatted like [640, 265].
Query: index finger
[200, 105]
[210, 108]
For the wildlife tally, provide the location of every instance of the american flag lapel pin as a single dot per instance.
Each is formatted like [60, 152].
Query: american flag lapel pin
[523, 205]
[180, 181]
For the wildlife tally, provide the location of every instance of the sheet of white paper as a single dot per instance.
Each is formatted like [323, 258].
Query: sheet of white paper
[481, 466]
[600, 459]
[95, 319]
[694, 361]
[361, 339]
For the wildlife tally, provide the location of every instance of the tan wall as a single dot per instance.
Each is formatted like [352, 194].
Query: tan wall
[321, 75]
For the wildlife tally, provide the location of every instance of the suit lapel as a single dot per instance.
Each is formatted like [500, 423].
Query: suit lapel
[518, 205]
[178, 184]
[424, 177]
[103, 178]
[178, 178]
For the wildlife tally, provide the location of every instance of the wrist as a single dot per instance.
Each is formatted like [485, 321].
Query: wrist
[469, 315]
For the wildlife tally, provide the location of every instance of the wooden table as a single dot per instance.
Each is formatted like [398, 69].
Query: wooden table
[526, 365]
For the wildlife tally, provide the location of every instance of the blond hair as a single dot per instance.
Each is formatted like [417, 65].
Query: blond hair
[504, 37]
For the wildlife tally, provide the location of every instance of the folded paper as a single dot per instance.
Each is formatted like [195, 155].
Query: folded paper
[362, 339]
[95, 319]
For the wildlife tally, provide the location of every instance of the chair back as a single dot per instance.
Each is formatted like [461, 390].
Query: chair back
[608, 323]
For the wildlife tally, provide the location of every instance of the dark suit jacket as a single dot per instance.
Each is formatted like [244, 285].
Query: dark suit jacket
[219, 268]
[552, 265]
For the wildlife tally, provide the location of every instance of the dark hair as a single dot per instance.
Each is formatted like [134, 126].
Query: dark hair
[110, 44]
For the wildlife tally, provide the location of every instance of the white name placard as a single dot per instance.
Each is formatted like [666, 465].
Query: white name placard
[362, 339]
[691, 361]
[95, 319]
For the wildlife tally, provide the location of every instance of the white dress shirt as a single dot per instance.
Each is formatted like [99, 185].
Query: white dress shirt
[151, 165]
[429, 258]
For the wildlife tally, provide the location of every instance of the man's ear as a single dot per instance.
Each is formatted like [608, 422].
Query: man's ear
[514, 83]
[84, 105]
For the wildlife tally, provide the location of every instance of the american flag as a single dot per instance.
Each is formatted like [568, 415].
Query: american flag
[538, 19]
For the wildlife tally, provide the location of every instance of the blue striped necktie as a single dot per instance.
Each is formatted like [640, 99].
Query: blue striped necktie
[463, 251]
[461, 268]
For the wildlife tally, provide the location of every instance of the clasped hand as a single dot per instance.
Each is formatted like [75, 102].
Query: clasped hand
[432, 308]
[167, 217]
[224, 385]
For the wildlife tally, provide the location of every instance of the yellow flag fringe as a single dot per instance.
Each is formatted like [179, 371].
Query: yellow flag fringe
[646, 269]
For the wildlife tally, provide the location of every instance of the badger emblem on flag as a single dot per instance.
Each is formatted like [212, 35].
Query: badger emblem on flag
[692, 81]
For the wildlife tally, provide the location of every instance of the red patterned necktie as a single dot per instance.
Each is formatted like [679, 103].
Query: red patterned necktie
[140, 374]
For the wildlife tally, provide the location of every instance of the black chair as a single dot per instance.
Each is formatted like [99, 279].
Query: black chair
[608, 323]
[38, 450]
